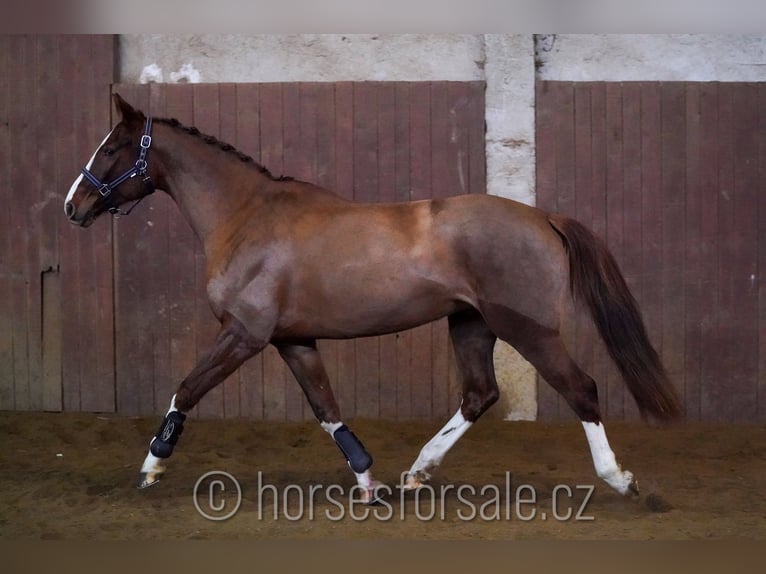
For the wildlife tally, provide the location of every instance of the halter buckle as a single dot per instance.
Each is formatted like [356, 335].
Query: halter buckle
[146, 141]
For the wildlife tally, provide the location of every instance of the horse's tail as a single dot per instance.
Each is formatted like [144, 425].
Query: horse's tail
[596, 280]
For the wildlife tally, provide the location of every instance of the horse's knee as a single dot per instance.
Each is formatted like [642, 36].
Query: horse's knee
[476, 402]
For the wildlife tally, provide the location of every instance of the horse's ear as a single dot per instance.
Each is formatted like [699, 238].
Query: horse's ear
[126, 111]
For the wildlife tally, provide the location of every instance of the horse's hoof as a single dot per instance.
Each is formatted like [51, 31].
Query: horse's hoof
[631, 488]
[147, 479]
[375, 494]
[415, 480]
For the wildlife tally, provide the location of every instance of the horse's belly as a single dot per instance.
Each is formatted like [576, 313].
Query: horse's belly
[362, 314]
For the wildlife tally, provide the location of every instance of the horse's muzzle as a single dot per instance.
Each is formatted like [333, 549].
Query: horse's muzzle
[79, 220]
[82, 215]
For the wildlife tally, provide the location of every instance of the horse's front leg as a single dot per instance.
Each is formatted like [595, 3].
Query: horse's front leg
[233, 346]
[306, 364]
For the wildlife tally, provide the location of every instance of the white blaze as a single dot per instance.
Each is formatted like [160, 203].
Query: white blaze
[77, 181]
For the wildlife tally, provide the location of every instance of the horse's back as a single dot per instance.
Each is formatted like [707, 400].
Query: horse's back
[477, 246]
[484, 249]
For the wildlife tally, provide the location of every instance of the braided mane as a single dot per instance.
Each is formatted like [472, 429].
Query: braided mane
[212, 140]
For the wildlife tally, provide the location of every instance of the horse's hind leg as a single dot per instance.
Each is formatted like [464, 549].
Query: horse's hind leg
[544, 348]
[233, 346]
[474, 344]
[306, 364]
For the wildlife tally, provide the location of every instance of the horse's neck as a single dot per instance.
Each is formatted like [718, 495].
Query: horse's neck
[208, 186]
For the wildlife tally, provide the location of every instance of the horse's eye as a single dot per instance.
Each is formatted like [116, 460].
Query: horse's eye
[108, 151]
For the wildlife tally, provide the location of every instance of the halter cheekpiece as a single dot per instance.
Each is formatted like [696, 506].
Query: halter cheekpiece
[138, 169]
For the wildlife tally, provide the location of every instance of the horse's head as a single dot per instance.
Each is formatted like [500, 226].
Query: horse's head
[118, 171]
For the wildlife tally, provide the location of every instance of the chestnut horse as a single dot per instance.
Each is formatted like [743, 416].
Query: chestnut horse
[289, 263]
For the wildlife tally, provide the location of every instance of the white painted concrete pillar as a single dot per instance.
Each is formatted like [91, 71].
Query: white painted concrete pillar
[510, 149]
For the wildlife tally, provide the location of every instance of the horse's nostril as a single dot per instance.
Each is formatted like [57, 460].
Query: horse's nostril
[69, 209]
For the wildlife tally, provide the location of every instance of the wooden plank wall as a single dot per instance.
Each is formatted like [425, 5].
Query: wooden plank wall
[673, 176]
[56, 349]
[368, 141]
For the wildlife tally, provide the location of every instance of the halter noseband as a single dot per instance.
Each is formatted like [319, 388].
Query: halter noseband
[139, 168]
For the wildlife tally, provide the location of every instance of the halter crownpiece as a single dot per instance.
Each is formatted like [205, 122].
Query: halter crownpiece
[139, 168]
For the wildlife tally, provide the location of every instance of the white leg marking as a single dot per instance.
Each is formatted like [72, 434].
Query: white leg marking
[153, 466]
[172, 405]
[330, 428]
[77, 181]
[369, 487]
[433, 452]
[604, 460]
